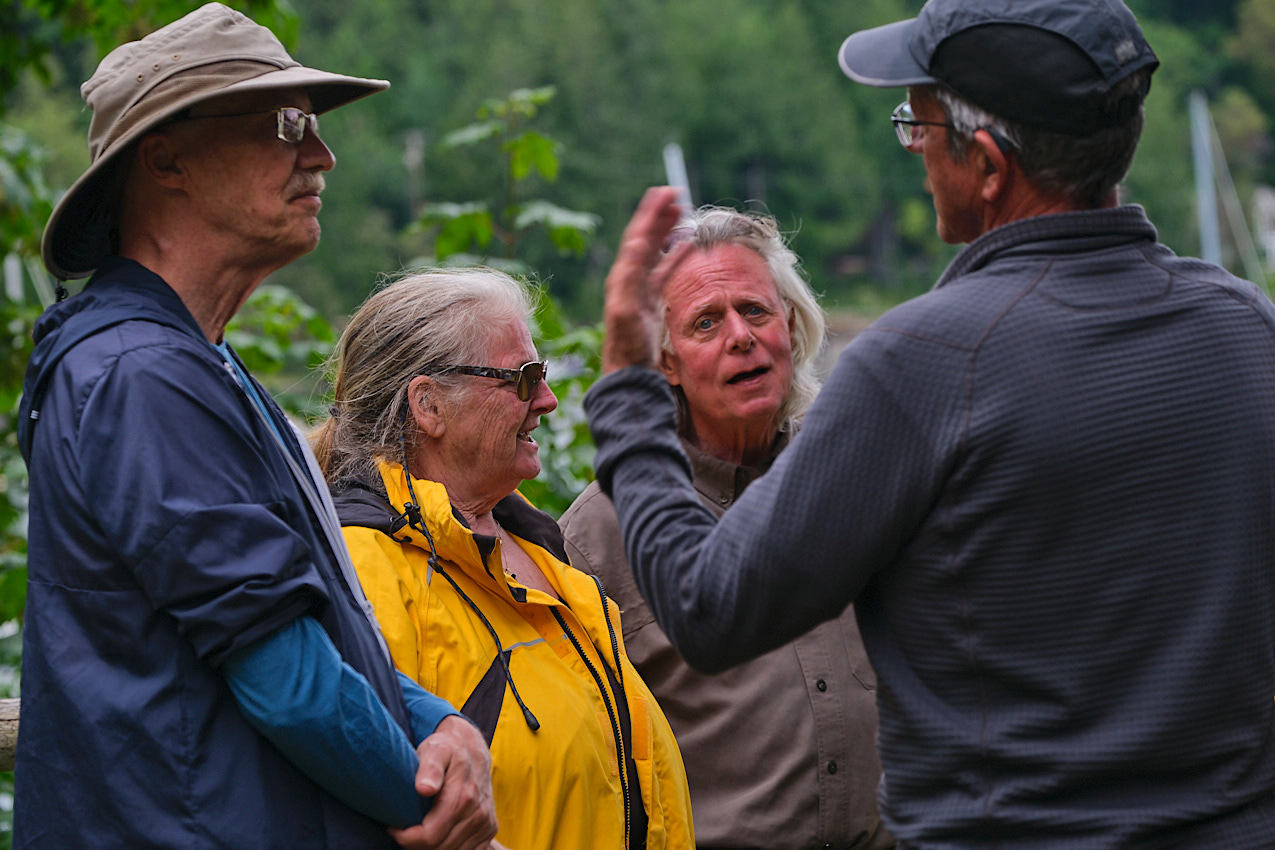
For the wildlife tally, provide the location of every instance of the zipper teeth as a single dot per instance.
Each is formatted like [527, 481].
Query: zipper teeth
[615, 645]
[623, 767]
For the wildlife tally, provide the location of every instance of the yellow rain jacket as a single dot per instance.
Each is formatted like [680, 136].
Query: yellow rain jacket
[560, 785]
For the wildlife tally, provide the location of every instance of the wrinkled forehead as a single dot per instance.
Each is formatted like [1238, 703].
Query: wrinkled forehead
[723, 274]
[507, 342]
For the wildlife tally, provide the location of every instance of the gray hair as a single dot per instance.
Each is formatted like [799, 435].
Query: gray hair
[1085, 169]
[711, 226]
[429, 318]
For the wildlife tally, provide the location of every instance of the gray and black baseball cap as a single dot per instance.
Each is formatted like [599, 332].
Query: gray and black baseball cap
[211, 52]
[1042, 63]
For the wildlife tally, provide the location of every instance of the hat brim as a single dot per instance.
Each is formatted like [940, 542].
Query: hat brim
[882, 57]
[77, 235]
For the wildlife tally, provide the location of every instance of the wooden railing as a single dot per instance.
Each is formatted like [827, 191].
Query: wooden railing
[8, 732]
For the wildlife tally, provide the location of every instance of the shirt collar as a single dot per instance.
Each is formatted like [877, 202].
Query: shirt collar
[721, 481]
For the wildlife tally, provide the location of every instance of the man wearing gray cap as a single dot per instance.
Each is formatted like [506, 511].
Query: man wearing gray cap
[200, 666]
[1046, 484]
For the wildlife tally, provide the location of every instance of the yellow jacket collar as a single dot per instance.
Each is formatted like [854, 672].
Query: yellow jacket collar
[451, 536]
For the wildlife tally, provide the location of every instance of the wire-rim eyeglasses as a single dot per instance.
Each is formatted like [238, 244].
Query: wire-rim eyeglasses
[292, 121]
[905, 124]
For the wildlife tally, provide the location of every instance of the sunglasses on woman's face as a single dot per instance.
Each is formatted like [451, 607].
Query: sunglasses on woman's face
[527, 376]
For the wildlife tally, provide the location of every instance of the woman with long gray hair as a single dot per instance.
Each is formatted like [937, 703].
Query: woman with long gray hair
[438, 389]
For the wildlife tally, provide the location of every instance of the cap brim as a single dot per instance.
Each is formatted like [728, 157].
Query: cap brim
[882, 57]
[76, 237]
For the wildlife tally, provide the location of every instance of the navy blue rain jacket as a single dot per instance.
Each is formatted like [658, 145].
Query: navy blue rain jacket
[166, 532]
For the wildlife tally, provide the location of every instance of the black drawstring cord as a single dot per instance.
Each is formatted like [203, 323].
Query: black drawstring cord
[411, 510]
[412, 513]
[526, 712]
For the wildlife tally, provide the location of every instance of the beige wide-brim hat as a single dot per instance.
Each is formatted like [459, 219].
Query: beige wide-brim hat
[213, 51]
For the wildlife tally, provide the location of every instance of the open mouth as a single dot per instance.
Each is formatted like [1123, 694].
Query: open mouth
[525, 436]
[748, 376]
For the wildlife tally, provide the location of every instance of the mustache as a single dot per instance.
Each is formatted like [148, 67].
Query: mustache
[307, 184]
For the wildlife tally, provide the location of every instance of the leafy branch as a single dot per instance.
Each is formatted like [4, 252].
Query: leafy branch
[524, 153]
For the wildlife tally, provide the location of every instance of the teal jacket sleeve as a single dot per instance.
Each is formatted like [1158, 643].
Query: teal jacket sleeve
[295, 689]
[426, 710]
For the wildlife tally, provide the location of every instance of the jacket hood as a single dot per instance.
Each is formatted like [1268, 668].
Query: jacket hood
[357, 505]
[132, 293]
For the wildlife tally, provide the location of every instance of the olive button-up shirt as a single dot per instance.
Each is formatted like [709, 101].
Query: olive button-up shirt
[780, 751]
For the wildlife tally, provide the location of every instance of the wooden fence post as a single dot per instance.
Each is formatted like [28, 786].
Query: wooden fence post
[8, 731]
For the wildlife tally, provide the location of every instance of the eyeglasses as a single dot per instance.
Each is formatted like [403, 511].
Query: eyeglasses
[527, 376]
[905, 125]
[292, 121]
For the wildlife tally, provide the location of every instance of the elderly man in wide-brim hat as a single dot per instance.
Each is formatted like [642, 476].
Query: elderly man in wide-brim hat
[200, 666]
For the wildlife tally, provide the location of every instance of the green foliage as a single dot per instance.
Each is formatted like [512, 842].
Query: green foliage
[1161, 178]
[460, 226]
[754, 97]
[478, 225]
[566, 446]
[16, 321]
[1251, 42]
[530, 151]
[567, 229]
[277, 335]
[25, 200]
[474, 133]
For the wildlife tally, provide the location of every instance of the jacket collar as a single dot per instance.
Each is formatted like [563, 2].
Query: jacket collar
[120, 280]
[121, 291]
[1068, 232]
[451, 535]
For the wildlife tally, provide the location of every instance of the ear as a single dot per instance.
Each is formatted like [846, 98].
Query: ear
[422, 400]
[669, 368]
[994, 164]
[158, 155]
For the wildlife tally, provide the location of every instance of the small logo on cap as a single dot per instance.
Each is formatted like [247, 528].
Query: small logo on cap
[1126, 51]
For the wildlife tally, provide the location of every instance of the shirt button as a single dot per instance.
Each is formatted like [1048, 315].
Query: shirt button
[827, 847]
[821, 685]
[832, 767]
[723, 499]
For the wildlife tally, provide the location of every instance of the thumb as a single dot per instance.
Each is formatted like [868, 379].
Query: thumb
[433, 764]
